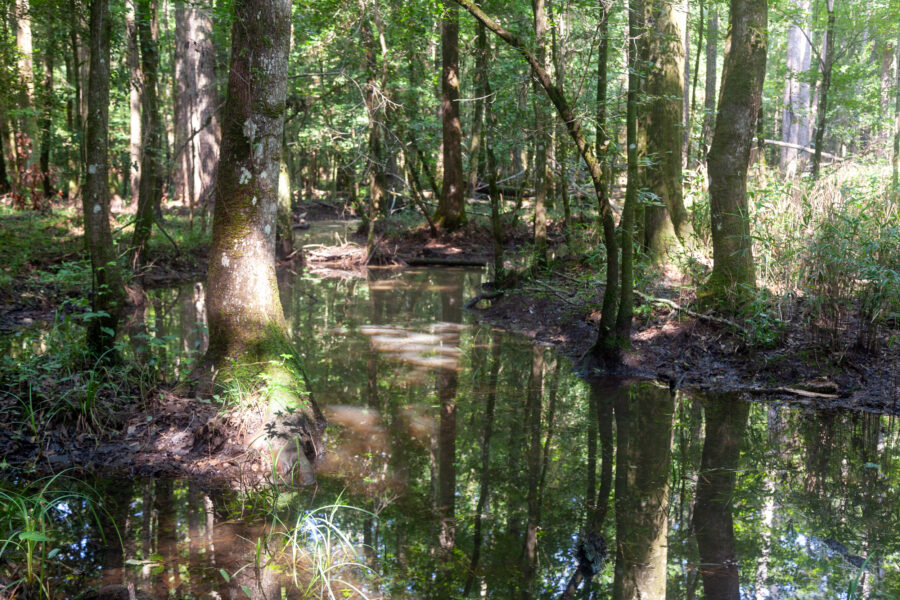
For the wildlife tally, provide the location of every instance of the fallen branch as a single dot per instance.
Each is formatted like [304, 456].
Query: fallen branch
[546, 288]
[444, 262]
[786, 390]
[689, 312]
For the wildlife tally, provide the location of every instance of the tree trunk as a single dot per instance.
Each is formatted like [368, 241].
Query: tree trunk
[822, 109]
[887, 66]
[451, 211]
[185, 80]
[27, 122]
[46, 124]
[709, 100]
[693, 106]
[729, 156]
[726, 421]
[795, 120]
[541, 139]
[534, 397]
[108, 292]
[606, 348]
[247, 330]
[152, 150]
[895, 160]
[643, 461]
[663, 120]
[134, 101]
[375, 163]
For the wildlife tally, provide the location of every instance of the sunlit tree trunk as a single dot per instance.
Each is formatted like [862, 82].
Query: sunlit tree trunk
[895, 161]
[795, 119]
[150, 192]
[108, 292]
[644, 427]
[726, 421]
[27, 121]
[134, 101]
[451, 211]
[375, 111]
[185, 78]
[822, 109]
[729, 156]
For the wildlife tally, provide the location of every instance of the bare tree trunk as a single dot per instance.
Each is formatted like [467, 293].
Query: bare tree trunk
[27, 122]
[827, 65]
[888, 52]
[451, 211]
[134, 101]
[729, 156]
[150, 192]
[185, 80]
[709, 100]
[693, 106]
[795, 120]
[47, 121]
[108, 291]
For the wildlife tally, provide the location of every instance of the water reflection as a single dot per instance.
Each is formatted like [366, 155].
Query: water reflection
[488, 470]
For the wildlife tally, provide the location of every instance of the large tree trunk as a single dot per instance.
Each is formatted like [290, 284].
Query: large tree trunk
[27, 122]
[108, 291]
[663, 114]
[822, 109]
[709, 101]
[643, 461]
[47, 121]
[247, 329]
[152, 159]
[729, 156]
[795, 119]
[134, 101]
[185, 78]
[452, 208]
[726, 421]
[375, 111]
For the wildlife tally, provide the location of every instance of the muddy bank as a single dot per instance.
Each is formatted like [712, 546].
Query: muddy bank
[694, 353]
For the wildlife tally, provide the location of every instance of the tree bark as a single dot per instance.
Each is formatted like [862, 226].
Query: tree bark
[726, 421]
[452, 208]
[895, 160]
[693, 105]
[152, 150]
[795, 119]
[134, 101]
[663, 126]
[27, 121]
[729, 156]
[822, 109]
[248, 336]
[47, 121]
[108, 292]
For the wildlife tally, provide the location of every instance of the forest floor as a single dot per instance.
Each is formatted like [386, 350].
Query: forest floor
[171, 432]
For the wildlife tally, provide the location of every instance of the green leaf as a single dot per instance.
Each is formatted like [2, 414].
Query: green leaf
[108, 331]
[225, 575]
[34, 536]
[247, 591]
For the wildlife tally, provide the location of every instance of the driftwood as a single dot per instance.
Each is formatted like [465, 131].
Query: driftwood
[482, 296]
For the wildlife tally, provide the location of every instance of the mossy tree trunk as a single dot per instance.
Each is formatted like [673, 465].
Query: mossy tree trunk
[663, 122]
[108, 293]
[451, 211]
[150, 189]
[247, 329]
[729, 156]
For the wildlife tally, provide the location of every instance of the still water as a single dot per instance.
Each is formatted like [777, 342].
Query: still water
[464, 462]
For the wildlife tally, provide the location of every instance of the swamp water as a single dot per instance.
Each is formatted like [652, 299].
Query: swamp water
[464, 461]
